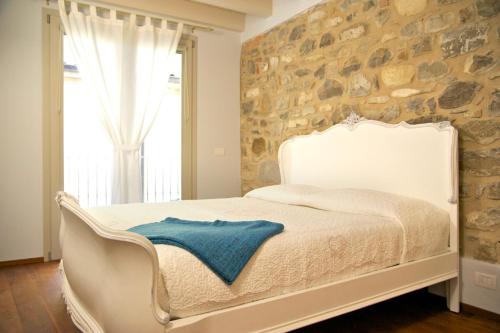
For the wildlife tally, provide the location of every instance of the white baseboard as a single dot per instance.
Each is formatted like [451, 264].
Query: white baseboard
[471, 294]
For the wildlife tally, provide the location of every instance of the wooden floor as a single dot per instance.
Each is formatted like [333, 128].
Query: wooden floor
[30, 301]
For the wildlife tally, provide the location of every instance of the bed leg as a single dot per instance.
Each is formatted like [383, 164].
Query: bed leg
[453, 294]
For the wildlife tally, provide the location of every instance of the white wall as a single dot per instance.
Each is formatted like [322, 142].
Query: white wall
[218, 114]
[476, 295]
[21, 209]
[282, 11]
[470, 293]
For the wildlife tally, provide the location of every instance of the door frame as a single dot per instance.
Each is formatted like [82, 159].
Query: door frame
[53, 168]
[187, 47]
[53, 121]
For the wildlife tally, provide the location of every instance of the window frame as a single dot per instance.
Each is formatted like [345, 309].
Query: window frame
[187, 46]
[53, 116]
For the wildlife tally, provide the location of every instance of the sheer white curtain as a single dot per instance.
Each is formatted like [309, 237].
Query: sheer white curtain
[126, 66]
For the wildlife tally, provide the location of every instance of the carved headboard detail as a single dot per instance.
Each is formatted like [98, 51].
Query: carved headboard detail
[413, 160]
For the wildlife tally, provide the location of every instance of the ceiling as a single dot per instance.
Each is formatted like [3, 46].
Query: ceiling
[225, 14]
[262, 8]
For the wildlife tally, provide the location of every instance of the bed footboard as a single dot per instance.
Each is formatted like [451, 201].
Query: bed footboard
[111, 280]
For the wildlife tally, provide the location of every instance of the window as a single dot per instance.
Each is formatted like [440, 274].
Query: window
[161, 151]
[87, 149]
[83, 167]
[88, 152]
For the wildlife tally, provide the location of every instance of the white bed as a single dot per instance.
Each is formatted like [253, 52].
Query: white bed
[340, 250]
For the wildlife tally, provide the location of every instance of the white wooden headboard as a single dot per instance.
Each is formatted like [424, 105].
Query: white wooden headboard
[418, 161]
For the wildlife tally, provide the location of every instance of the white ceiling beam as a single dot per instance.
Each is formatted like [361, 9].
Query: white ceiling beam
[253, 7]
[188, 11]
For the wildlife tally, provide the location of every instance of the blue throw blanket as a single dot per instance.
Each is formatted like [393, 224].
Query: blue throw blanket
[225, 247]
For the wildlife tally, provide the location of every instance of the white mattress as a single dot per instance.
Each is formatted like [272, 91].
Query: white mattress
[317, 246]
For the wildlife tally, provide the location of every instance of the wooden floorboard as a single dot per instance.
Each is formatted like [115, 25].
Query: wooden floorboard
[9, 319]
[415, 312]
[21, 262]
[49, 283]
[31, 301]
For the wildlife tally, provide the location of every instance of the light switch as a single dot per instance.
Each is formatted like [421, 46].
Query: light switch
[219, 151]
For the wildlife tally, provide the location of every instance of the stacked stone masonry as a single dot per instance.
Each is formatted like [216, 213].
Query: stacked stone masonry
[391, 60]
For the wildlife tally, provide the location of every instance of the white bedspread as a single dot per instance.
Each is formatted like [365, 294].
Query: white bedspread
[317, 246]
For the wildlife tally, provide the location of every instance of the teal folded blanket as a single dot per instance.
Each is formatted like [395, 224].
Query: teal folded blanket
[225, 247]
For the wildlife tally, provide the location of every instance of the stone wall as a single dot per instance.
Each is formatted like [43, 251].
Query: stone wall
[391, 60]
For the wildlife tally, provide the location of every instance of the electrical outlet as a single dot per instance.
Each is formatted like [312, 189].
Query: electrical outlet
[485, 280]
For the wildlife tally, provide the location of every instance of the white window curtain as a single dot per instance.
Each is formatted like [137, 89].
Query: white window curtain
[126, 67]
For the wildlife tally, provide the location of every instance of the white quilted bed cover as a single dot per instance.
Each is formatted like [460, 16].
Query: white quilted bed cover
[328, 236]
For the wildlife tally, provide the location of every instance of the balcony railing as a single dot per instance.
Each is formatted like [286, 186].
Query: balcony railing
[161, 179]
[88, 177]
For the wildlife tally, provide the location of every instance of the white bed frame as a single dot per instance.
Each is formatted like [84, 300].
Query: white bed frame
[111, 279]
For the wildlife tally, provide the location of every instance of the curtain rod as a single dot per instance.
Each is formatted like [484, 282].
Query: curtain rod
[193, 25]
